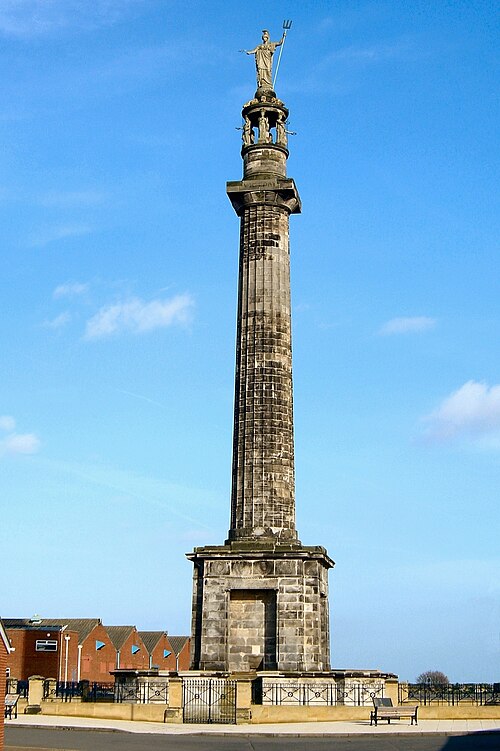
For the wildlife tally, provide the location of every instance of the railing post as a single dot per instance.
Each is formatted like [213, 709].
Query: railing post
[392, 690]
[173, 712]
[35, 694]
[243, 702]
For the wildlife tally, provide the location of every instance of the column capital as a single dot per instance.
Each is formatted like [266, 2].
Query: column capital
[271, 191]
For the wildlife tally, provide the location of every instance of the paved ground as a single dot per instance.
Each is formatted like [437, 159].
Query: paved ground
[22, 738]
[50, 733]
[294, 729]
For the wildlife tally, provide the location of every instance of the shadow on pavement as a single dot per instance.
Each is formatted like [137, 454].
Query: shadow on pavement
[489, 740]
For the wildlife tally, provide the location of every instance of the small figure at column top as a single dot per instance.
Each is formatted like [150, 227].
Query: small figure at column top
[281, 138]
[264, 60]
[264, 135]
[248, 135]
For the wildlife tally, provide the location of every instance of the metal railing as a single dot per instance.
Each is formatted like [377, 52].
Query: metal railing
[479, 694]
[209, 700]
[140, 692]
[313, 693]
[15, 686]
[61, 690]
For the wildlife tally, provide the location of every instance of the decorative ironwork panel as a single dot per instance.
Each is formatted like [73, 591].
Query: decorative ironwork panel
[481, 694]
[209, 700]
[128, 693]
[311, 693]
[104, 692]
[355, 694]
[303, 694]
[154, 692]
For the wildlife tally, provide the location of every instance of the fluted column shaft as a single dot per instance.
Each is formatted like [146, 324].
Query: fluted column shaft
[263, 488]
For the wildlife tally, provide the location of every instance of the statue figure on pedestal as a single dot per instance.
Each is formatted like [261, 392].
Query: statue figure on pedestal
[248, 136]
[264, 135]
[281, 132]
[264, 60]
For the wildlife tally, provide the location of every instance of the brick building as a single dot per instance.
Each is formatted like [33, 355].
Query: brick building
[181, 646]
[91, 653]
[4, 653]
[160, 650]
[41, 647]
[77, 649]
[131, 652]
[97, 653]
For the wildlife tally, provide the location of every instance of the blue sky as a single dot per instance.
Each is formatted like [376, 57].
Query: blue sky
[118, 302]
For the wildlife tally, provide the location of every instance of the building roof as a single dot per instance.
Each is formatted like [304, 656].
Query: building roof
[83, 626]
[178, 642]
[119, 634]
[151, 638]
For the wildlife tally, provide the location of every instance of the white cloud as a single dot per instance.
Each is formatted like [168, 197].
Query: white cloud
[29, 18]
[58, 322]
[7, 422]
[20, 443]
[16, 443]
[138, 316]
[472, 410]
[408, 325]
[70, 289]
[49, 234]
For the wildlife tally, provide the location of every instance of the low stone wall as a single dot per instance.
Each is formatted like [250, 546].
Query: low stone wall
[279, 699]
[461, 712]
[271, 714]
[260, 714]
[105, 711]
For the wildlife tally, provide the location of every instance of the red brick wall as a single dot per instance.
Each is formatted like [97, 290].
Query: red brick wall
[26, 661]
[3, 667]
[96, 663]
[139, 661]
[164, 663]
[185, 656]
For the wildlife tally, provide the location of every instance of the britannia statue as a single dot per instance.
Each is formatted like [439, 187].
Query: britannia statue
[264, 60]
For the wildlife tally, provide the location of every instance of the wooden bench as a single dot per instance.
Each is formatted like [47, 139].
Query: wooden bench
[384, 710]
[11, 705]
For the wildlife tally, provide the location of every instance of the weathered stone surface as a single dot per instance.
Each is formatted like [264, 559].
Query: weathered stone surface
[260, 600]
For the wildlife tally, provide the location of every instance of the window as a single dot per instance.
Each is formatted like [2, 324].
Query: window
[46, 645]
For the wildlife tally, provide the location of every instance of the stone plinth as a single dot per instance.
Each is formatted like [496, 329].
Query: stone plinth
[260, 609]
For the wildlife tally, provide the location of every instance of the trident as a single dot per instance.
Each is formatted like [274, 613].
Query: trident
[286, 26]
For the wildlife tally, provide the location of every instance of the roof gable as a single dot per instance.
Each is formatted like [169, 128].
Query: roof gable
[151, 638]
[178, 643]
[119, 634]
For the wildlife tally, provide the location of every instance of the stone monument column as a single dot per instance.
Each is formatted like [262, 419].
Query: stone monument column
[263, 487]
[260, 601]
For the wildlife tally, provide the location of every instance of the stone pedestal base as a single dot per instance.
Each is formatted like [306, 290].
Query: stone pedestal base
[260, 607]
